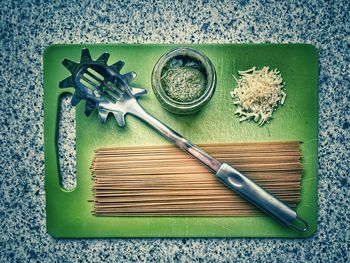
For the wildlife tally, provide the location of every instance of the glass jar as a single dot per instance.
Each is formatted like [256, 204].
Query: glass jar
[189, 57]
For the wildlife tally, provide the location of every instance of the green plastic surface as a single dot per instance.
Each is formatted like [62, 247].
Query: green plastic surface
[69, 212]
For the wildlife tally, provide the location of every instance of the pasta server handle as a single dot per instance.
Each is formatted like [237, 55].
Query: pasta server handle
[260, 198]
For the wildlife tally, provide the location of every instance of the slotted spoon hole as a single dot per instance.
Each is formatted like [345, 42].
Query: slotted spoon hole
[87, 82]
[114, 87]
[97, 75]
[108, 89]
[111, 96]
[92, 78]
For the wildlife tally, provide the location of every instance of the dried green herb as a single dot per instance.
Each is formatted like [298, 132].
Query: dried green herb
[183, 83]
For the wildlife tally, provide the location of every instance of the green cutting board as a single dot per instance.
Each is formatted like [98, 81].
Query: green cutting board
[69, 212]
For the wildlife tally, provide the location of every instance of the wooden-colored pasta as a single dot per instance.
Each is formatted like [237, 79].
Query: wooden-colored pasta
[165, 181]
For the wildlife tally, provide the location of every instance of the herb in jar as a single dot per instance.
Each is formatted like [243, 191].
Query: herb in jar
[183, 83]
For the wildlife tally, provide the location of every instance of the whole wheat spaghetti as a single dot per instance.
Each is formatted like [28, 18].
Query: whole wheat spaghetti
[165, 181]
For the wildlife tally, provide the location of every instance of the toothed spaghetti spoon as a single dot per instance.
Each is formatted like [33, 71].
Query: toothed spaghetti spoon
[104, 88]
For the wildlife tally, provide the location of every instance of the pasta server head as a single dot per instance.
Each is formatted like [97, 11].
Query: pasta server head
[101, 86]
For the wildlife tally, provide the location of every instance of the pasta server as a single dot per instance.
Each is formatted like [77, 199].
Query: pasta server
[103, 87]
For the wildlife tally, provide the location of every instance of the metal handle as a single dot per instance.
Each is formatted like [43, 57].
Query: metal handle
[174, 137]
[228, 175]
[259, 197]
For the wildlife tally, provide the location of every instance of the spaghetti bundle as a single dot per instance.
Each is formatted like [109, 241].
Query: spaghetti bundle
[165, 181]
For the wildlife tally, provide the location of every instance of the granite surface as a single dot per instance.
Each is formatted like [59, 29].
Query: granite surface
[28, 27]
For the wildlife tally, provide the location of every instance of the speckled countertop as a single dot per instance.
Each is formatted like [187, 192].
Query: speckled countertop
[28, 27]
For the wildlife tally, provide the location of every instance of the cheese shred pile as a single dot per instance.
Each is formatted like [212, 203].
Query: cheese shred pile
[258, 94]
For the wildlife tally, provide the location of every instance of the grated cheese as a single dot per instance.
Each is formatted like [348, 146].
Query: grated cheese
[258, 94]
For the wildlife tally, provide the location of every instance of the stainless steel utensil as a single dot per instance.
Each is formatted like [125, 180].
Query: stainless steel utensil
[104, 88]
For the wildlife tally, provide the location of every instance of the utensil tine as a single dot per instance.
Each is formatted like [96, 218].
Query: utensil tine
[103, 58]
[120, 118]
[129, 76]
[102, 115]
[138, 92]
[66, 83]
[85, 55]
[118, 65]
[70, 65]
